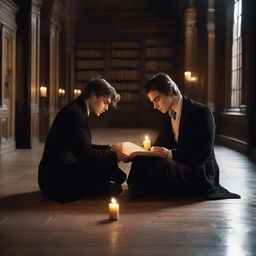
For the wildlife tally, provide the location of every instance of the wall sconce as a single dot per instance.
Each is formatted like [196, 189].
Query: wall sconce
[187, 75]
[43, 98]
[61, 92]
[77, 92]
[189, 79]
[193, 80]
[43, 91]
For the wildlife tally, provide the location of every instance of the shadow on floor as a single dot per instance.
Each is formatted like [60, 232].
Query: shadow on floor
[35, 201]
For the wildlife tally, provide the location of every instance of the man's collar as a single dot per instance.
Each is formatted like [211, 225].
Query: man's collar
[176, 110]
[87, 107]
[177, 107]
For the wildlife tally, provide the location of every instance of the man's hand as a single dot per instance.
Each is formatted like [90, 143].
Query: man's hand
[116, 148]
[163, 152]
[122, 157]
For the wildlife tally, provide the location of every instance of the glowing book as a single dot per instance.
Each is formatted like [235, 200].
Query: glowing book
[131, 149]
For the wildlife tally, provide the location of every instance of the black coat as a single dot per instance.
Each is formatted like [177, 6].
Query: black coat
[69, 140]
[71, 166]
[195, 142]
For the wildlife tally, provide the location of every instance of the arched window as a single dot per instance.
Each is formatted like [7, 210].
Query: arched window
[236, 71]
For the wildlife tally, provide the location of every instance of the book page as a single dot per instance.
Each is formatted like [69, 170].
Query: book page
[132, 150]
[129, 147]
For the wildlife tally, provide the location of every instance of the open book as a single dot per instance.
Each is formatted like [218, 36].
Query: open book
[132, 150]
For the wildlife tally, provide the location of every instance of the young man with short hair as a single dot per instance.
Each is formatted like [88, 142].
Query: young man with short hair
[187, 165]
[71, 166]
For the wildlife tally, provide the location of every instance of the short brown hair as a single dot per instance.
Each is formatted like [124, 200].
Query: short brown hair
[100, 87]
[163, 83]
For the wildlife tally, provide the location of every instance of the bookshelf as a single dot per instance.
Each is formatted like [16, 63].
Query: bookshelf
[127, 65]
[125, 76]
[159, 56]
[89, 62]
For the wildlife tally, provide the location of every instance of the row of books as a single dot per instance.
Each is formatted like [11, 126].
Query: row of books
[158, 41]
[90, 44]
[126, 86]
[129, 97]
[125, 53]
[121, 78]
[159, 65]
[119, 53]
[120, 63]
[125, 74]
[126, 44]
[159, 52]
[90, 64]
[90, 53]
[88, 75]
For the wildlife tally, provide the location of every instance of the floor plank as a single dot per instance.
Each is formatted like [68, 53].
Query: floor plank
[33, 225]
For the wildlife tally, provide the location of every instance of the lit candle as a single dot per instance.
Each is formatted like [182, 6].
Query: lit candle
[113, 210]
[147, 143]
[193, 79]
[61, 92]
[43, 91]
[77, 92]
[187, 76]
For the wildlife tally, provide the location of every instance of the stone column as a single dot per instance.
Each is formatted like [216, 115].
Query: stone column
[54, 70]
[34, 68]
[190, 47]
[211, 54]
[8, 31]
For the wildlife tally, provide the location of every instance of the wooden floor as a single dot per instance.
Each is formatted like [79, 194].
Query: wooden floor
[32, 225]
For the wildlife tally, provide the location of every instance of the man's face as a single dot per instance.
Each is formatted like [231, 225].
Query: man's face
[162, 102]
[99, 105]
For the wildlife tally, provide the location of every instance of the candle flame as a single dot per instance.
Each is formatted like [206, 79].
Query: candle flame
[43, 91]
[187, 73]
[113, 200]
[61, 91]
[146, 137]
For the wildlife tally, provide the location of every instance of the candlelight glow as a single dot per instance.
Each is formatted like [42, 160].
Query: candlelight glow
[113, 200]
[113, 209]
[146, 143]
[77, 92]
[187, 75]
[43, 91]
[61, 91]
[193, 79]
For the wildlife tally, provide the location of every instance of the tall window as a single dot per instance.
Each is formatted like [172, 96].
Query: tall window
[236, 73]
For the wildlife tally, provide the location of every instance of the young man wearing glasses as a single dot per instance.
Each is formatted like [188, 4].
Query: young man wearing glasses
[71, 166]
[187, 165]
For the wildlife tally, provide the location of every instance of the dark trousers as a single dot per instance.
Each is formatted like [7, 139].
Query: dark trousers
[153, 175]
[74, 181]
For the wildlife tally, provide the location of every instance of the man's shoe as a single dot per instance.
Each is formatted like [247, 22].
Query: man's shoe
[113, 189]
